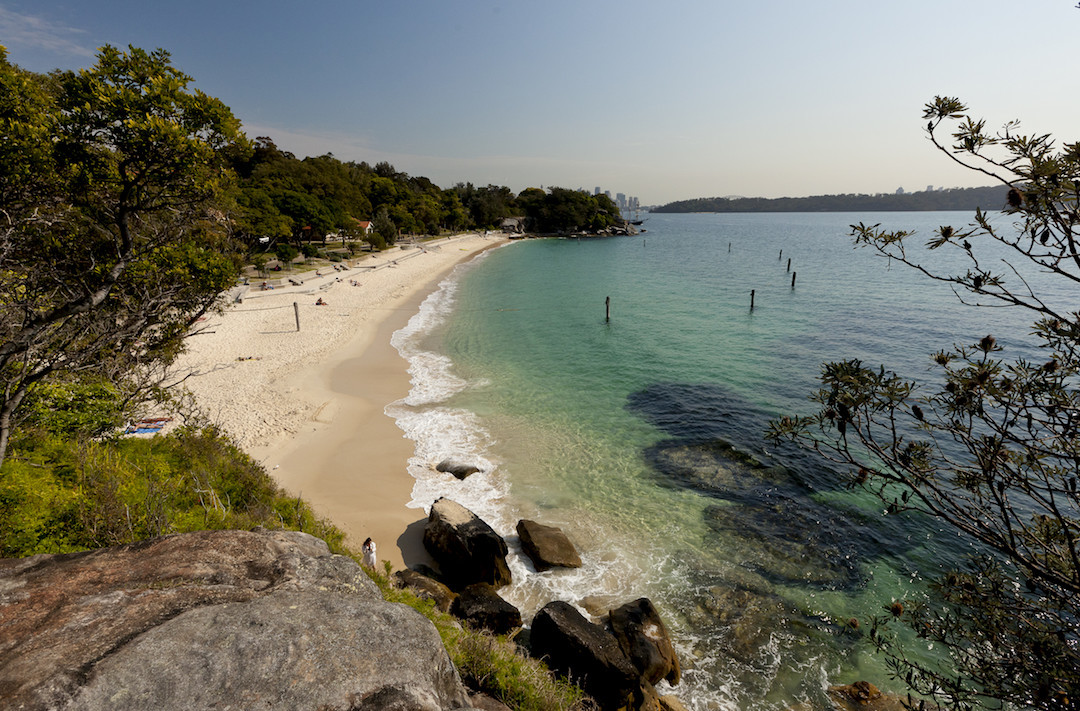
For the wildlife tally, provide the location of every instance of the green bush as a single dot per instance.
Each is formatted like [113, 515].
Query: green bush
[60, 495]
[286, 253]
[74, 406]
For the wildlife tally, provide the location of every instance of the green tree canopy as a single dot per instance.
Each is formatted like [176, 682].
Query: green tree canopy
[112, 242]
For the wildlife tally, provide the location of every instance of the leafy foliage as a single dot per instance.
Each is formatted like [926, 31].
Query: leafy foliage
[562, 210]
[76, 407]
[992, 452]
[61, 495]
[109, 244]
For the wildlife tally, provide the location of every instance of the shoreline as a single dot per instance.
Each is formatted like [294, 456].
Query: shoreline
[310, 405]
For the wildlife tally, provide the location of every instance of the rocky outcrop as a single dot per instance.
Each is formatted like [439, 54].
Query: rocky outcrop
[645, 641]
[671, 703]
[213, 619]
[864, 696]
[460, 470]
[466, 548]
[483, 702]
[426, 587]
[586, 653]
[481, 607]
[547, 546]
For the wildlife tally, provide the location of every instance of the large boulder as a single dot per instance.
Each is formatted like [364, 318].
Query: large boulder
[481, 607]
[645, 640]
[547, 546]
[586, 653]
[460, 470]
[467, 549]
[671, 703]
[213, 619]
[426, 587]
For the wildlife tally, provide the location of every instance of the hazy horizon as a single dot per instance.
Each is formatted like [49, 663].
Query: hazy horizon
[688, 100]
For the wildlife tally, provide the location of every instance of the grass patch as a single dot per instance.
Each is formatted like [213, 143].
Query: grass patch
[60, 495]
[492, 664]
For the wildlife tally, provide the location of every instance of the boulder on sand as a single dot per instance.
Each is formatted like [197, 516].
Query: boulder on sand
[466, 548]
[425, 587]
[547, 546]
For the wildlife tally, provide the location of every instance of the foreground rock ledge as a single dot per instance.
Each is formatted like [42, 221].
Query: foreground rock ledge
[215, 619]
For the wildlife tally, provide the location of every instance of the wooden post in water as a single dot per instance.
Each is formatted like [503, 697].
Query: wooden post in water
[607, 309]
[793, 274]
[789, 265]
[296, 312]
[781, 255]
[729, 247]
[751, 299]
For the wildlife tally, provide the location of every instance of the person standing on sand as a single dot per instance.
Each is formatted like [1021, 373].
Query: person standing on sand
[369, 553]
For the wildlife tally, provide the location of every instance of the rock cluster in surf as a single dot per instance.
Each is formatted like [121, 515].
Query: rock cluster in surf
[616, 662]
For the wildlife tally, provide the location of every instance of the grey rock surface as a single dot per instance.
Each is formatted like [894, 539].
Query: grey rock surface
[481, 607]
[214, 619]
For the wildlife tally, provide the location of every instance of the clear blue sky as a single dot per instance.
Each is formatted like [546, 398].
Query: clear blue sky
[664, 101]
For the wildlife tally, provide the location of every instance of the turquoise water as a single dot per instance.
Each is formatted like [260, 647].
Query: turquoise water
[609, 429]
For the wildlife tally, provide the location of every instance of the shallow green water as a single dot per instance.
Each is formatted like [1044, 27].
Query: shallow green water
[608, 430]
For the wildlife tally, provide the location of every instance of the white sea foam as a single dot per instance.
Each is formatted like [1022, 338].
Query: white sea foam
[442, 432]
[613, 571]
[430, 373]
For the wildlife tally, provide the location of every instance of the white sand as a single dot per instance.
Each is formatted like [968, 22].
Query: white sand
[309, 404]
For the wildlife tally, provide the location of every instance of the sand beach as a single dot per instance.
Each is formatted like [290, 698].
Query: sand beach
[309, 404]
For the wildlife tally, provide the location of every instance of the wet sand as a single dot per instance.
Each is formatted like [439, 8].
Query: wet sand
[310, 405]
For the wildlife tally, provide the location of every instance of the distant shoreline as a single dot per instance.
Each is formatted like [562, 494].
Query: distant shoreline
[990, 198]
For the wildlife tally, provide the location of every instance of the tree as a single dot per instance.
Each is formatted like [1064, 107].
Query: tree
[384, 228]
[286, 253]
[111, 245]
[993, 451]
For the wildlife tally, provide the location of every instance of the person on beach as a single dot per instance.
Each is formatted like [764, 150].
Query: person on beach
[369, 553]
[320, 302]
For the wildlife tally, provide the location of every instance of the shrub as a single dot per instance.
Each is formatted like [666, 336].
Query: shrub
[60, 495]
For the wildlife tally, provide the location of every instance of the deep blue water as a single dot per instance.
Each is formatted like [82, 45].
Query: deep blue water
[610, 430]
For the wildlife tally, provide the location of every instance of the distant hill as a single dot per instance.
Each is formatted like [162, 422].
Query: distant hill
[988, 198]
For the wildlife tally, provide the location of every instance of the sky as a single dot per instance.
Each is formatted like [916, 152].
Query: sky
[663, 101]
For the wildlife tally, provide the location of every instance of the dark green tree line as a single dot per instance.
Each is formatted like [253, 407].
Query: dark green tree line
[112, 242]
